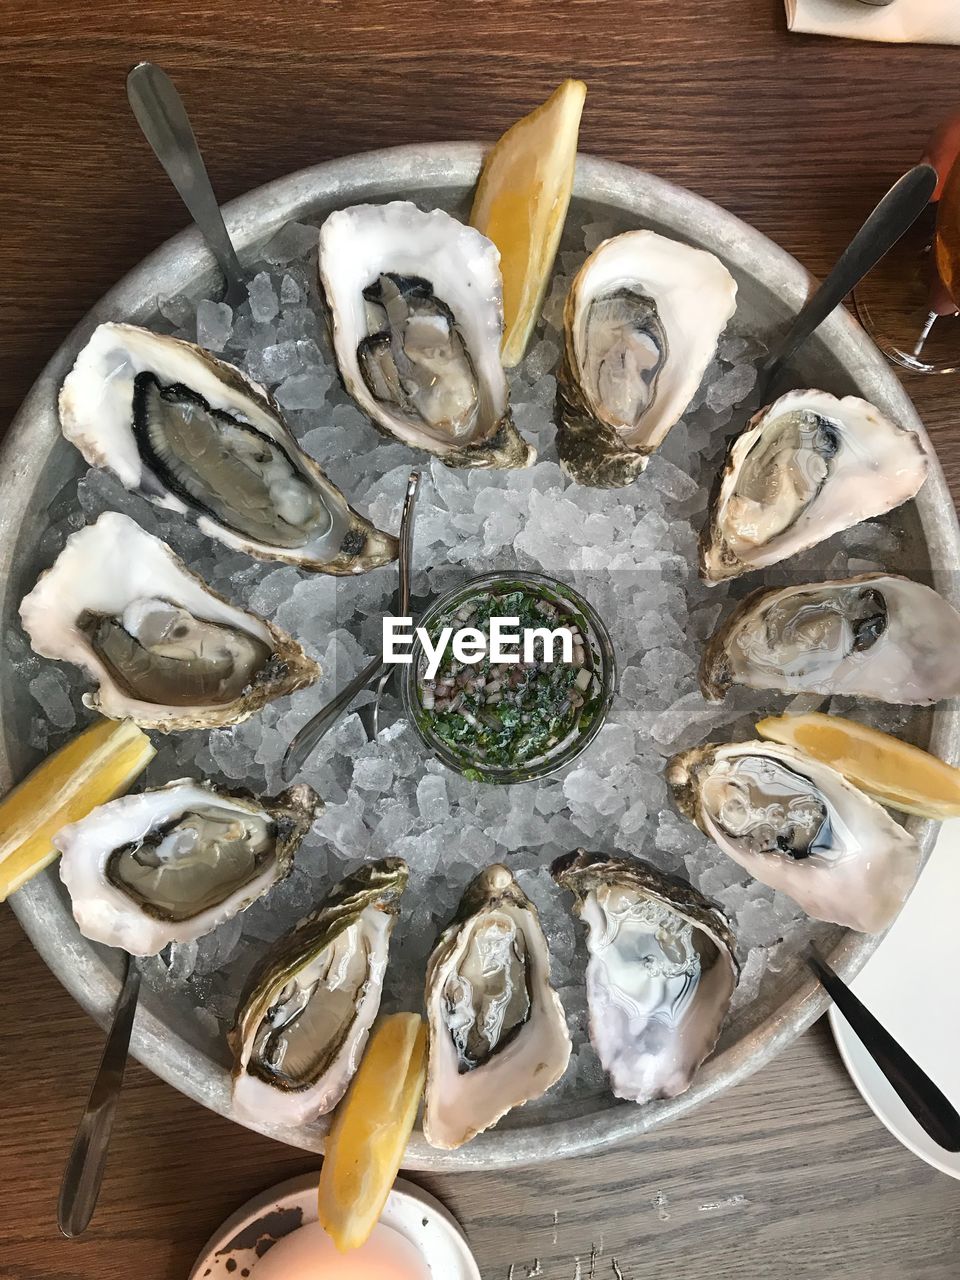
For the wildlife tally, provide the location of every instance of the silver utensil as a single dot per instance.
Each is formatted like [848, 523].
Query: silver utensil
[895, 214]
[305, 741]
[928, 1105]
[83, 1173]
[166, 126]
[404, 562]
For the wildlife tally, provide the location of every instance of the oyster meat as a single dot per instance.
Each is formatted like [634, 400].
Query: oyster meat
[163, 648]
[799, 826]
[801, 470]
[497, 1032]
[303, 1021]
[641, 324]
[661, 973]
[171, 864]
[874, 636]
[194, 435]
[416, 303]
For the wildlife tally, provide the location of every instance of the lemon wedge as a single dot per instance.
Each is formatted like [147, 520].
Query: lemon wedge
[91, 768]
[893, 772]
[371, 1129]
[521, 204]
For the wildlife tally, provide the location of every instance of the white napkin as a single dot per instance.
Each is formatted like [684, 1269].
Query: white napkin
[903, 22]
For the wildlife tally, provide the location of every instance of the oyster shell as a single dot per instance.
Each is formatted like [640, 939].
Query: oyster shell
[801, 470]
[416, 302]
[497, 1032]
[641, 323]
[303, 1020]
[194, 435]
[874, 635]
[163, 648]
[661, 973]
[171, 864]
[799, 826]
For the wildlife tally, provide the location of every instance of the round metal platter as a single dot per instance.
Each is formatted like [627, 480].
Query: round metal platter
[37, 464]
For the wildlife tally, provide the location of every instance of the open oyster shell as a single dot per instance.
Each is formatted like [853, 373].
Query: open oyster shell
[661, 973]
[641, 323]
[416, 302]
[163, 648]
[498, 1035]
[799, 826]
[193, 435]
[873, 635]
[303, 1020]
[171, 864]
[801, 470]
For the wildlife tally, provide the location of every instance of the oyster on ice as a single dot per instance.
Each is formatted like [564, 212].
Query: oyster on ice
[163, 648]
[661, 972]
[799, 826]
[416, 305]
[171, 864]
[193, 435]
[801, 470]
[497, 1031]
[641, 324]
[874, 636]
[303, 1020]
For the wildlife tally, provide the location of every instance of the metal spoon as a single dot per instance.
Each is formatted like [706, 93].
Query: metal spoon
[894, 215]
[306, 739]
[928, 1105]
[83, 1174]
[163, 118]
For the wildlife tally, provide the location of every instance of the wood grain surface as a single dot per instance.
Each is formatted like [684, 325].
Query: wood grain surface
[787, 1176]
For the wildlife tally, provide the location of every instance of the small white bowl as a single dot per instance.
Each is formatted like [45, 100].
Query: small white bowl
[237, 1246]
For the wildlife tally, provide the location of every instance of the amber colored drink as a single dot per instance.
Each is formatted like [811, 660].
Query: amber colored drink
[946, 240]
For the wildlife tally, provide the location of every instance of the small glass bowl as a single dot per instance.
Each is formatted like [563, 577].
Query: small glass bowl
[600, 660]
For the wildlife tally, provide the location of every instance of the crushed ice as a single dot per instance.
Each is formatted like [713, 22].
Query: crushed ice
[632, 552]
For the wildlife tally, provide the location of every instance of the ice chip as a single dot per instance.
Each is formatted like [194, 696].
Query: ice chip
[541, 359]
[303, 390]
[731, 387]
[289, 291]
[672, 482]
[279, 361]
[594, 233]
[50, 690]
[373, 773]
[178, 310]
[214, 324]
[432, 798]
[292, 241]
[263, 300]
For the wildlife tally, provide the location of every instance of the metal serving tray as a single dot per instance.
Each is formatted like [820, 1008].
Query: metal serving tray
[36, 464]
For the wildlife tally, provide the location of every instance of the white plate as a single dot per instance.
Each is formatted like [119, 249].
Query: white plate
[238, 1244]
[910, 984]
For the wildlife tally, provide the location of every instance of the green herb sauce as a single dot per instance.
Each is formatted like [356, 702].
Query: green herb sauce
[509, 715]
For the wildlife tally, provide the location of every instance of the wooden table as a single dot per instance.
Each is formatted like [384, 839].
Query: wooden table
[797, 135]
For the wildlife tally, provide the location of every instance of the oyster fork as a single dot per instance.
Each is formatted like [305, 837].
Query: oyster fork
[928, 1105]
[87, 1160]
[306, 739]
[163, 118]
[895, 214]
